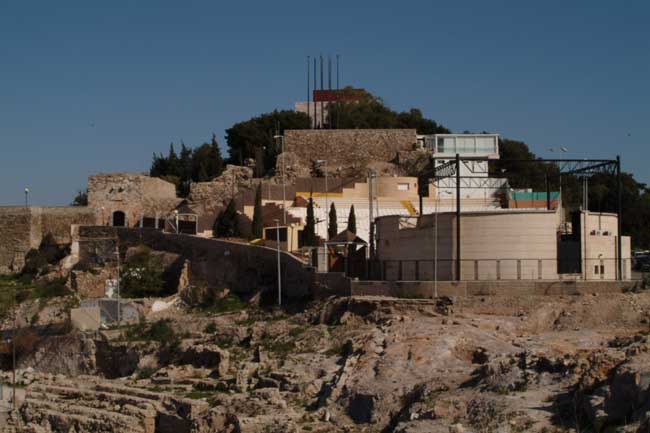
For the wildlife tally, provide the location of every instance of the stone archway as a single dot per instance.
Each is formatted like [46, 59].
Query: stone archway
[119, 219]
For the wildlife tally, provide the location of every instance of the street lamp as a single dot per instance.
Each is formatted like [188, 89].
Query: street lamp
[277, 238]
[323, 163]
[435, 242]
[284, 206]
[26, 197]
[119, 302]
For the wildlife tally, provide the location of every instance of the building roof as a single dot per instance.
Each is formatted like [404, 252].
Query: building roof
[184, 208]
[346, 236]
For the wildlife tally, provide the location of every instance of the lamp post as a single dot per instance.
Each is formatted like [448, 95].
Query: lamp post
[435, 242]
[277, 237]
[284, 206]
[323, 163]
[26, 197]
[119, 302]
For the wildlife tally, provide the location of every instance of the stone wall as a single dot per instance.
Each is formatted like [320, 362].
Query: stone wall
[23, 228]
[209, 196]
[350, 149]
[239, 267]
[137, 195]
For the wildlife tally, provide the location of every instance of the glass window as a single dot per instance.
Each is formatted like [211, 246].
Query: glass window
[485, 145]
[402, 186]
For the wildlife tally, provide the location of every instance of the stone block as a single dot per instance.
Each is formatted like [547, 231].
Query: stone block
[85, 318]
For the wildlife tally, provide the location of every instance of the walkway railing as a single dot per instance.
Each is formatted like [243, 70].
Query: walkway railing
[500, 269]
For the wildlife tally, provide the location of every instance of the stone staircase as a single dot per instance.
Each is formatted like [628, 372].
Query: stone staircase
[90, 406]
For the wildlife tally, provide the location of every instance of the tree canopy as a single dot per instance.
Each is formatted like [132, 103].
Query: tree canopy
[253, 138]
[332, 226]
[257, 227]
[201, 164]
[603, 189]
[309, 233]
[369, 111]
[352, 221]
[226, 223]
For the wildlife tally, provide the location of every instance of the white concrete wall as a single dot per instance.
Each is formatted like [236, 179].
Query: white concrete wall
[517, 240]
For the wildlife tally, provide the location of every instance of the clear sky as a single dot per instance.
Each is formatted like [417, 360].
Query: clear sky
[89, 86]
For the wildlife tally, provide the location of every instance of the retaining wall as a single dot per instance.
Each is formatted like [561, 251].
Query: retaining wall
[425, 289]
[353, 148]
[239, 267]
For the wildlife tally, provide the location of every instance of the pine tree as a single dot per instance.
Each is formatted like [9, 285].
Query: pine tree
[173, 163]
[226, 223]
[185, 164]
[257, 213]
[352, 221]
[332, 228]
[216, 160]
[310, 225]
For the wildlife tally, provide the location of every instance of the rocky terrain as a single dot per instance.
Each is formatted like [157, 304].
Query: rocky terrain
[361, 364]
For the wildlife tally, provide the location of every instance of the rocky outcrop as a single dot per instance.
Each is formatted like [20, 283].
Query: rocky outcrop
[624, 399]
[91, 406]
[292, 166]
[221, 189]
[71, 355]
[207, 356]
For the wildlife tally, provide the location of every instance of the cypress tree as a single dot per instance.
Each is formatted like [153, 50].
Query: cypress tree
[173, 163]
[226, 223]
[352, 221]
[310, 225]
[332, 228]
[257, 213]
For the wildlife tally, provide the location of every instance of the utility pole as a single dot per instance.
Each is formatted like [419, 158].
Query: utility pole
[13, 350]
[619, 183]
[277, 238]
[119, 301]
[284, 190]
[371, 221]
[458, 255]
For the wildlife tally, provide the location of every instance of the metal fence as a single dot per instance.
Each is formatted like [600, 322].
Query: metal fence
[500, 269]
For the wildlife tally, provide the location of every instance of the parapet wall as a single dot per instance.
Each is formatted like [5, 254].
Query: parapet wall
[23, 228]
[349, 148]
[242, 268]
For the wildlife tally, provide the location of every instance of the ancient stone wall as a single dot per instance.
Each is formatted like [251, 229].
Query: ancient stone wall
[15, 237]
[137, 195]
[351, 150]
[23, 228]
[210, 196]
[241, 268]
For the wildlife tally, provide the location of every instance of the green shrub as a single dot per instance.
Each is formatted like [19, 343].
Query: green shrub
[50, 289]
[227, 304]
[142, 276]
[211, 328]
[161, 331]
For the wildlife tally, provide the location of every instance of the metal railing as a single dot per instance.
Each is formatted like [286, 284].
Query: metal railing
[500, 269]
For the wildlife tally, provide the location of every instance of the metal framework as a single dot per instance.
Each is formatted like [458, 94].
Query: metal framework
[582, 167]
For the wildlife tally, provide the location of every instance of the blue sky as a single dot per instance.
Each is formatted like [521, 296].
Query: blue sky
[91, 87]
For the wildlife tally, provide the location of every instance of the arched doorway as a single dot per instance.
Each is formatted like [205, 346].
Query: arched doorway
[119, 219]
